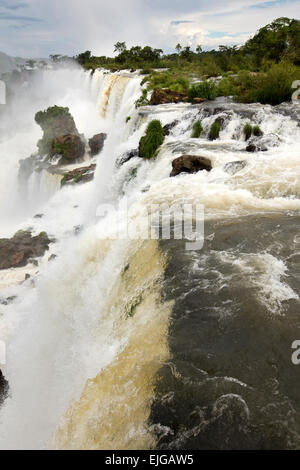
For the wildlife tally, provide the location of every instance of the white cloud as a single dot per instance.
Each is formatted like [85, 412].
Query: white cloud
[71, 26]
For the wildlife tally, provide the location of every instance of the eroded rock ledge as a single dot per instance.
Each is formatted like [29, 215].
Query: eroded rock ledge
[17, 251]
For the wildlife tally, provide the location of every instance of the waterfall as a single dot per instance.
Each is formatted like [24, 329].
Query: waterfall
[88, 338]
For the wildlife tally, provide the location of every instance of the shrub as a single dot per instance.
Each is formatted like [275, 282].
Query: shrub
[226, 87]
[142, 101]
[197, 130]
[247, 130]
[214, 131]
[205, 89]
[153, 139]
[257, 131]
[271, 87]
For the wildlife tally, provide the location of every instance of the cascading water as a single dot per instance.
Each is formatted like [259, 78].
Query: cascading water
[89, 338]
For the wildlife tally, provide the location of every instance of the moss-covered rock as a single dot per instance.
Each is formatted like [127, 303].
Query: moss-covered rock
[153, 139]
[69, 146]
[79, 175]
[197, 130]
[214, 131]
[60, 133]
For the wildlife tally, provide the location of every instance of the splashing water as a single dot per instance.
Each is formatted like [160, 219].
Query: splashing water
[86, 341]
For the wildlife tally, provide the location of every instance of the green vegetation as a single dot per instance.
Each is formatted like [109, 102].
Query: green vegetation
[153, 139]
[247, 130]
[214, 131]
[257, 132]
[55, 121]
[127, 119]
[206, 89]
[197, 130]
[262, 70]
[142, 101]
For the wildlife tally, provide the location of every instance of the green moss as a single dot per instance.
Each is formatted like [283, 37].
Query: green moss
[128, 119]
[55, 121]
[214, 132]
[153, 139]
[247, 131]
[257, 131]
[197, 130]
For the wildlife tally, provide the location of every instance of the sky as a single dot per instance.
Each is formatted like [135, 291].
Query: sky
[38, 28]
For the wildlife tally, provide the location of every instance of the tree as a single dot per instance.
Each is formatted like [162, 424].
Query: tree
[84, 57]
[178, 48]
[120, 47]
[199, 49]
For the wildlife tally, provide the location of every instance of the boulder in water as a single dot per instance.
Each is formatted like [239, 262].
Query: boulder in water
[164, 96]
[69, 146]
[127, 156]
[79, 175]
[96, 143]
[60, 134]
[168, 127]
[262, 144]
[16, 252]
[190, 164]
[233, 167]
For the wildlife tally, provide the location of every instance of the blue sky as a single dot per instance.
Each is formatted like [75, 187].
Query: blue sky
[37, 28]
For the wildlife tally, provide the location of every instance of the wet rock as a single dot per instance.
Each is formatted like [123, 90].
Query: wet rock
[199, 100]
[233, 167]
[168, 127]
[69, 146]
[52, 257]
[38, 216]
[56, 122]
[79, 175]
[7, 300]
[164, 96]
[127, 156]
[262, 144]
[18, 250]
[190, 164]
[3, 388]
[96, 143]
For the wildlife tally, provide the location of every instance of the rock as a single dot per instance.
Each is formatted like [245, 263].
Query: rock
[3, 388]
[96, 143]
[69, 146]
[38, 216]
[79, 175]
[52, 257]
[56, 122]
[7, 300]
[199, 100]
[190, 164]
[163, 96]
[127, 156]
[168, 127]
[233, 167]
[262, 144]
[17, 251]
